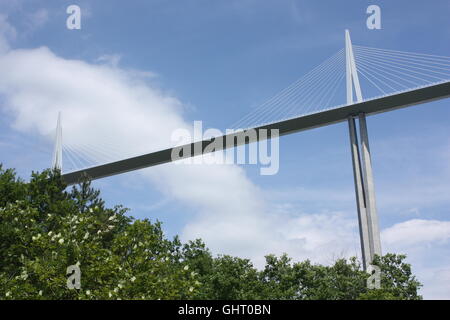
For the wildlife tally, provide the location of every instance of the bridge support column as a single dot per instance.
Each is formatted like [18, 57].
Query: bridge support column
[362, 166]
[369, 188]
[365, 191]
[359, 190]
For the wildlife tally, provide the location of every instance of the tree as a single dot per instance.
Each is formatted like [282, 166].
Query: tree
[344, 280]
[397, 280]
[45, 228]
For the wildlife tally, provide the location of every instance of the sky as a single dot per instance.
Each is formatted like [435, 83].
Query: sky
[136, 72]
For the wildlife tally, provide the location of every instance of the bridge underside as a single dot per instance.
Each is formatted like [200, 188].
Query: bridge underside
[370, 107]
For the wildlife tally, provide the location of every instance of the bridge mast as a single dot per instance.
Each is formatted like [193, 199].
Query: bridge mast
[57, 151]
[362, 166]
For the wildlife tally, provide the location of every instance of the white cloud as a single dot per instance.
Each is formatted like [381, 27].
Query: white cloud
[426, 243]
[437, 283]
[416, 231]
[99, 101]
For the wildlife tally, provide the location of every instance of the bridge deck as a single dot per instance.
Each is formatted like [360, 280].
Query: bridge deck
[369, 107]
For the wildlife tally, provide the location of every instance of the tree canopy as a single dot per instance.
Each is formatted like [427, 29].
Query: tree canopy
[44, 228]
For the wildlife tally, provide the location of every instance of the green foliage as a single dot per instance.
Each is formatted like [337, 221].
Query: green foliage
[231, 278]
[45, 228]
[397, 280]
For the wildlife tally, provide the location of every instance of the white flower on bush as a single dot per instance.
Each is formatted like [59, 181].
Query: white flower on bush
[36, 237]
[24, 275]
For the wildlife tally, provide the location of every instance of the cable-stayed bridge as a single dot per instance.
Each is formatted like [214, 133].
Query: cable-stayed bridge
[392, 79]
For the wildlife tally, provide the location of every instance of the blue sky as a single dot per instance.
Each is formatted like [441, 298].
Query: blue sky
[219, 59]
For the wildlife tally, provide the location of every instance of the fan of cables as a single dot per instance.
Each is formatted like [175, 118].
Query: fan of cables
[311, 93]
[391, 71]
[382, 73]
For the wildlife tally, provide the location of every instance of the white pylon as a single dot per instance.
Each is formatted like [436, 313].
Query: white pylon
[352, 73]
[57, 152]
[362, 166]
